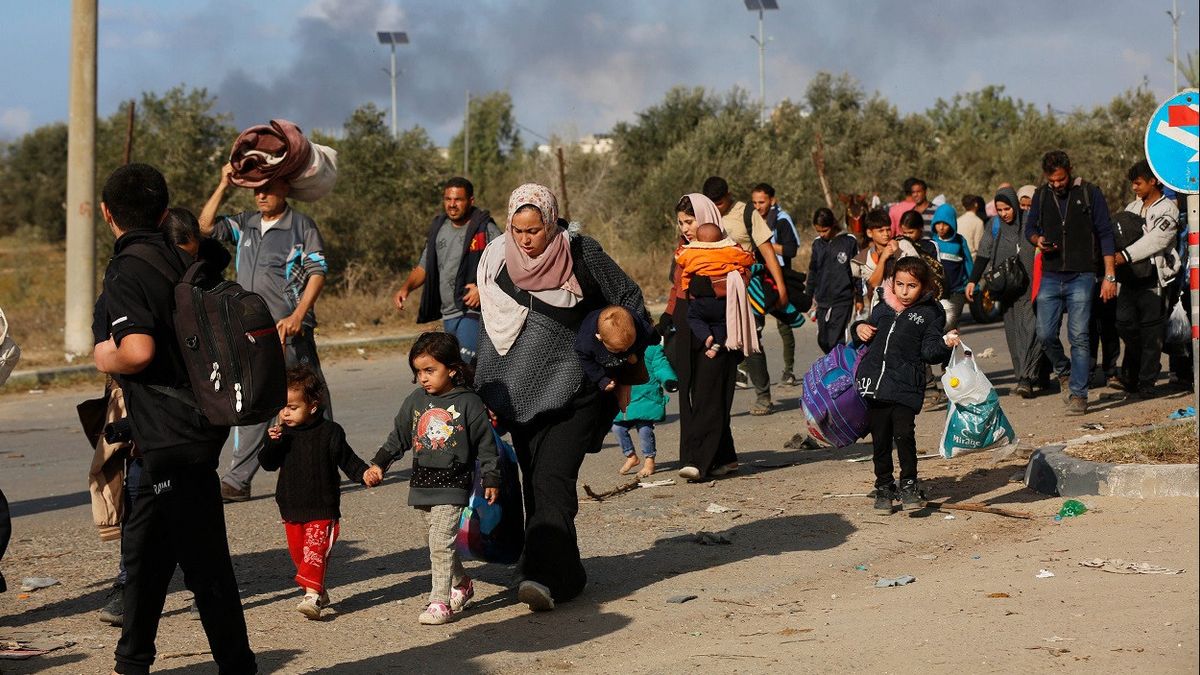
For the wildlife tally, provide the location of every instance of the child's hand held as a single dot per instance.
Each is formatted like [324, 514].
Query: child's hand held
[275, 432]
[865, 331]
[490, 494]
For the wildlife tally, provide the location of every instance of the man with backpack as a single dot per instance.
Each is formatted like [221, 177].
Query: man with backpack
[1146, 265]
[786, 242]
[176, 516]
[1068, 221]
[455, 242]
[746, 227]
[280, 256]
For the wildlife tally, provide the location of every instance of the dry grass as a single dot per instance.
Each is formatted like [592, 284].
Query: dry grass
[1175, 444]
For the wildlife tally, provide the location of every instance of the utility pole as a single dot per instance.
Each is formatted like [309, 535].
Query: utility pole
[562, 185]
[467, 138]
[129, 131]
[761, 6]
[393, 38]
[81, 181]
[1175, 16]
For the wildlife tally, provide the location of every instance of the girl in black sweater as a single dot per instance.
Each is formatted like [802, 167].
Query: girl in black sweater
[308, 449]
[905, 332]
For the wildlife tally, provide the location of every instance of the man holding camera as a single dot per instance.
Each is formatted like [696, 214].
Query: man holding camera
[176, 517]
[1069, 223]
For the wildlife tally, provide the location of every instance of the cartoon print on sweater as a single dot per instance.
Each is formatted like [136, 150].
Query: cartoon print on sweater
[434, 429]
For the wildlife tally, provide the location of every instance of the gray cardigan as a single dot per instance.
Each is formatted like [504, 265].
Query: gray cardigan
[541, 371]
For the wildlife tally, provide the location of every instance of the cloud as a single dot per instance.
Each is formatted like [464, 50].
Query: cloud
[15, 121]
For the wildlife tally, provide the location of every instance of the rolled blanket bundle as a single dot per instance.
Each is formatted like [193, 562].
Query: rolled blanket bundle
[280, 151]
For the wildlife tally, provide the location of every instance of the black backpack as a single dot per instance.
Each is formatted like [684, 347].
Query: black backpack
[229, 343]
[1128, 227]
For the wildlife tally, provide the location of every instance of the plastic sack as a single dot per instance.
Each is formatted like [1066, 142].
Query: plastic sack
[318, 177]
[963, 381]
[833, 409]
[10, 353]
[975, 426]
[1179, 329]
[494, 532]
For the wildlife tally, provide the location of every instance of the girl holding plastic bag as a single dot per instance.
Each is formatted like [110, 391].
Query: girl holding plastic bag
[904, 332]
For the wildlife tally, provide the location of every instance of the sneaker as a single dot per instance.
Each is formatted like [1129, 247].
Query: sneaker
[460, 596]
[911, 494]
[310, 607]
[884, 497]
[742, 380]
[114, 606]
[435, 614]
[1064, 386]
[1077, 405]
[1117, 383]
[689, 473]
[535, 595]
[724, 469]
[788, 379]
[1023, 389]
[323, 600]
[231, 494]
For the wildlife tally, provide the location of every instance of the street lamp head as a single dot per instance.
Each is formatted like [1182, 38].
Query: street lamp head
[392, 37]
[760, 5]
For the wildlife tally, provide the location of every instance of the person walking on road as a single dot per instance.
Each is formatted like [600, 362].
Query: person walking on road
[447, 268]
[280, 256]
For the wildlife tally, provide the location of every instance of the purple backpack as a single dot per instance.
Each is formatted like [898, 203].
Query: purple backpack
[833, 409]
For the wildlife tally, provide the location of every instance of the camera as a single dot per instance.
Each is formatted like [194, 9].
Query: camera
[119, 431]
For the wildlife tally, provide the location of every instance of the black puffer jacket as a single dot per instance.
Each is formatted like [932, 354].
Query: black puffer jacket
[894, 367]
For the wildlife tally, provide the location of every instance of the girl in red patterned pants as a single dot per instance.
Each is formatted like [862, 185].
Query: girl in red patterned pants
[308, 450]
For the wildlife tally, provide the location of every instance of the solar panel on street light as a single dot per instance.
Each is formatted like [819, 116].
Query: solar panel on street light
[760, 5]
[392, 37]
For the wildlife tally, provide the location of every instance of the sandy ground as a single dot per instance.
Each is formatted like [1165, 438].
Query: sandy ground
[794, 588]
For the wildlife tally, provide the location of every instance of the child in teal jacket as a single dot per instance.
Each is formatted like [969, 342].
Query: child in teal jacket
[647, 405]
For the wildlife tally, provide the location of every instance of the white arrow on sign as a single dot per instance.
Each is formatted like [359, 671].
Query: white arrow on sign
[1180, 136]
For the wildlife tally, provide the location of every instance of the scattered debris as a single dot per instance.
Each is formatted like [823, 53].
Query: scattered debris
[1119, 566]
[898, 581]
[1043, 574]
[1183, 413]
[981, 508]
[998, 595]
[656, 483]
[927, 556]
[932, 455]
[35, 583]
[1054, 651]
[680, 599]
[861, 568]
[601, 496]
[795, 631]
[717, 508]
[1070, 509]
[183, 655]
[1092, 426]
[986, 354]
[948, 517]
[1055, 638]
[25, 644]
[844, 495]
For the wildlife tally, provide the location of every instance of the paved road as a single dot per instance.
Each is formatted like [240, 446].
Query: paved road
[44, 456]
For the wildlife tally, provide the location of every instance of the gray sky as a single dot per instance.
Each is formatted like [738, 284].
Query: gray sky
[576, 67]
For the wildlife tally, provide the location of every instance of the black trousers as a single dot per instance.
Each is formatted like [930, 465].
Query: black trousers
[706, 388]
[892, 422]
[1141, 322]
[831, 325]
[5, 534]
[1102, 333]
[177, 519]
[550, 449]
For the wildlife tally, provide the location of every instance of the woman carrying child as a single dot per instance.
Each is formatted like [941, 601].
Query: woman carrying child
[905, 333]
[447, 427]
[537, 283]
[706, 365]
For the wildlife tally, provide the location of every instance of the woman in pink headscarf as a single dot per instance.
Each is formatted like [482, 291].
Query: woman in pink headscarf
[537, 282]
[706, 385]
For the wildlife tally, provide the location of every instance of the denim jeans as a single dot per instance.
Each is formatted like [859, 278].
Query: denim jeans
[645, 431]
[466, 329]
[1071, 294]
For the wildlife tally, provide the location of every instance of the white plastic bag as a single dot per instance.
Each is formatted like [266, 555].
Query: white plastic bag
[976, 426]
[10, 353]
[963, 381]
[1179, 329]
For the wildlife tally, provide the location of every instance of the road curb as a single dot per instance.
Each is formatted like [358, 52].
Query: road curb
[1051, 471]
[45, 375]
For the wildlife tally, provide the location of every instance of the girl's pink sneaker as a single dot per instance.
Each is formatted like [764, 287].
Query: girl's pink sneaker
[460, 596]
[435, 614]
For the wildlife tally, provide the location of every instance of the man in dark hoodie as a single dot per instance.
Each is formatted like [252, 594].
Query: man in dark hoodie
[176, 518]
[1069, 221]
[447, 266]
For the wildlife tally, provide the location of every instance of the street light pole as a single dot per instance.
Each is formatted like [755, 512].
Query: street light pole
[393, 38]
[761, 6]
[1175, 16]
[81, 181]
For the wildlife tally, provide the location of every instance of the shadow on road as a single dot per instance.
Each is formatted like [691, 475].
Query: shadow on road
[612, 578]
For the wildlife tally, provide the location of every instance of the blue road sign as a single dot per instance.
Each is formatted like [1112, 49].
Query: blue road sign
[1173, 142]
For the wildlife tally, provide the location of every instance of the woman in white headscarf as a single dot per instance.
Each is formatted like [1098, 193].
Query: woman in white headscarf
[537, 282]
